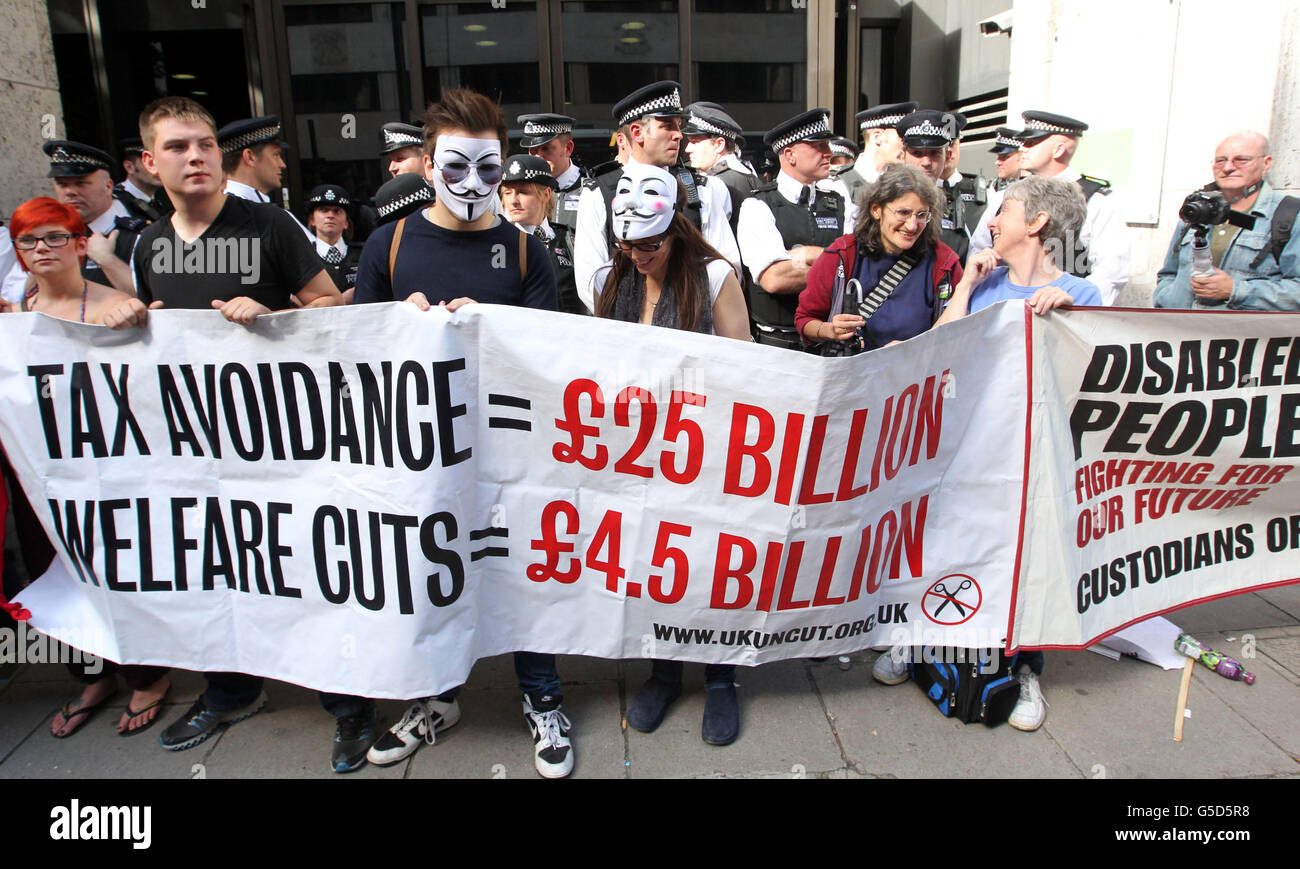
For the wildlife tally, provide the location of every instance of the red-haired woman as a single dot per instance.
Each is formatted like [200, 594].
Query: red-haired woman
[50, 239]
[51, 242]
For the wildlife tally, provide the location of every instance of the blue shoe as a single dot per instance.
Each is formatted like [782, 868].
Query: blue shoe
[648, 708]
[721, 714]
[352, 740]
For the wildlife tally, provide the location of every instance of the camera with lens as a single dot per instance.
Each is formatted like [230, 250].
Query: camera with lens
[1207, 208]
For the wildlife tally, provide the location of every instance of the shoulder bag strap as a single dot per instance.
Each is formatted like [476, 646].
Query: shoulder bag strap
[392, 249]
[881, 291]
[523, 256]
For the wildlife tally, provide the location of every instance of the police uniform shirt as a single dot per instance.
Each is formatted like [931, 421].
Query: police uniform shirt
[591, 254]
[761, 243]
[136, 191]
[243, 191]
[866, 167]
[267, 246]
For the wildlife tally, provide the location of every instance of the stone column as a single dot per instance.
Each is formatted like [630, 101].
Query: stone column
[30, 108]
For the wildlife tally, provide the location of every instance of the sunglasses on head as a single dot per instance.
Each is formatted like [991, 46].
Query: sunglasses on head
[643, 246]
[457, 172]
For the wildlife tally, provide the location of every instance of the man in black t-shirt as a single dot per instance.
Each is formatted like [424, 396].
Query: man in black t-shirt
[242, 258]
[461, 242]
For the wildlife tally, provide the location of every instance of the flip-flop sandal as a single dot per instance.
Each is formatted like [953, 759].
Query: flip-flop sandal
[80, 715]
[132, 713]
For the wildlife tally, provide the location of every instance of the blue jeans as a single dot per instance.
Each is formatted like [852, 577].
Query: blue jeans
[1033, 660]
[536, 673]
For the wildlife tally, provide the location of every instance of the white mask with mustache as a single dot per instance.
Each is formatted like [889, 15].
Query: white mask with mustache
[459, 166]
[644, 202]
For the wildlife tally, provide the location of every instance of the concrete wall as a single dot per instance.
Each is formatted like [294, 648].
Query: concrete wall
[1159, 90]
[30, 110]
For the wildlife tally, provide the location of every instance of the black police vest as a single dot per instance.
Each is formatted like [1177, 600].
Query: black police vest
[973, 192]
[565, 210]
[739, 185]
[145, 210]
[344, 272]
[798, 225]
[1077, 260]
[952, 228]
[128, 228]
[560, 246]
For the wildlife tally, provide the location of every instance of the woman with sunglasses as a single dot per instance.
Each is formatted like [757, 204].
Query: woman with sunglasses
[50, 239]
[664, 273]
[890, 279]
[51, 242]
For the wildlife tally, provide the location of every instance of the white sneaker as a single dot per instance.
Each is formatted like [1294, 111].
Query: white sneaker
[888, 671]
[1031, 710]
[552, 751]
[421, 722]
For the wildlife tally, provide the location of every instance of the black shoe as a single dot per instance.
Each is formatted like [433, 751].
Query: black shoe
[721, 714]
[201, 721]
[648, 707]
[352, 739]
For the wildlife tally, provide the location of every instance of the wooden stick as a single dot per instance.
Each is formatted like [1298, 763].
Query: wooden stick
[1182, 699]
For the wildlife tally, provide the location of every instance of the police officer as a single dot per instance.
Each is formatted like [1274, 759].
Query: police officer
[329, 219]
[972, 190]
[785, 224]
[403, 145]
[881, 144]
[1101, 253]
[713, 145]
[82, 180]
[550, 137]
[927, 136]
[1006, 153]
[528, 192]
[252, 156]
[843, 153]
[141, 192]
[649, 119]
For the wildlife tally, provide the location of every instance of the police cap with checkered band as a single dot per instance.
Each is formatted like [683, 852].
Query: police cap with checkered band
[928, 128]
[525, 168]
[663, 99]
[813, 125]
[238, 135]
[1039, 124]
[395, 136]
[540, 129]
[73, 159]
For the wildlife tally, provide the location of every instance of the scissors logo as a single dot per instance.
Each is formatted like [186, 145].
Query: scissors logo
[952, 600]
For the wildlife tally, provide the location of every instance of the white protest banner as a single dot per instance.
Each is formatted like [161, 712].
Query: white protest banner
[1162, 467]
[367, 500]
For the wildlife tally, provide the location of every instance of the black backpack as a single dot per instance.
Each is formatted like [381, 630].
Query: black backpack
[968, 691]
[1279, 230]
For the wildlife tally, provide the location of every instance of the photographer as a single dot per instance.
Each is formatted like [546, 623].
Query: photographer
[1255, 268]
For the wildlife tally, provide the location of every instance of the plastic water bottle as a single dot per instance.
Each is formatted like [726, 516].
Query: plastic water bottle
[1202, 262]
[1225, 665]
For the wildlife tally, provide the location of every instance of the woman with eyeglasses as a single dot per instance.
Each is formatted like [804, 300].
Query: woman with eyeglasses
[890, 279]
[50, 239]
[51, 242]
[664, 273]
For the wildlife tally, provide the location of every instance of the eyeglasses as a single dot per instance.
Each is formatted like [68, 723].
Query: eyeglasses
[643, 246]
[51, 239]
[456, 173]
[906, 214]
[1239, 162]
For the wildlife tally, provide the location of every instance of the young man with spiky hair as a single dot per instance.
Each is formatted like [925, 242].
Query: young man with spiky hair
[180, 147]
[426, 258]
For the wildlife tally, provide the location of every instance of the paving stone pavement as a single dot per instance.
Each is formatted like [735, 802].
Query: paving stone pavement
[799, 719]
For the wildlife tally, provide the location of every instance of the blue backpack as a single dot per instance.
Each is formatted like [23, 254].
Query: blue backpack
[968, 690]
